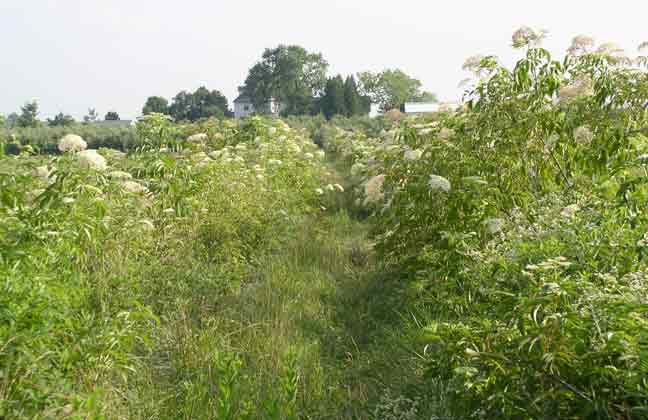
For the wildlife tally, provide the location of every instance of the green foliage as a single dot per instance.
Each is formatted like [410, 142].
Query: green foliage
[392, 88]
[28, 116]
[91, 116]
[352, 100]
[61, 120]
[291, 76]
[111, 116]
[45, 139]
[200, 104]
[11, 120]
[519, 226]
[333, 102]
[341, 98]
[146, 297]
[156, 104]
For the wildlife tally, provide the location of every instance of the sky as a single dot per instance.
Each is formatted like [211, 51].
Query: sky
[71, 55]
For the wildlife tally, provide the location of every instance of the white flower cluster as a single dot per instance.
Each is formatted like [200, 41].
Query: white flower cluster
[578, 88]
[197, 138]
[446, 133]
[583, 135]
[473, 63]
[72, 143]
[373, 189]
[569, 211]
[437, 182]
[43, 172]
[92, 159]
[133, 187]
[581, 44]
[549, 264]
[526, 36]
[413, 154]
[119, 175]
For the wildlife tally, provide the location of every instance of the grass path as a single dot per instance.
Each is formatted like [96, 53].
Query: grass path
[303, 338]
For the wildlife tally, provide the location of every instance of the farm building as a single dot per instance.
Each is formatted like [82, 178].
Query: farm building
[420, 107]
[244, 107]
[374, 111]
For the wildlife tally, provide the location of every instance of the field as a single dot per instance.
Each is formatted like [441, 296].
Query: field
[484, 262]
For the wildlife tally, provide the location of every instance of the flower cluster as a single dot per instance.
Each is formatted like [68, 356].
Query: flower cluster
[72, 143]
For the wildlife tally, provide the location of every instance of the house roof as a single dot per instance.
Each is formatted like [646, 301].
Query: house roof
[243, 97]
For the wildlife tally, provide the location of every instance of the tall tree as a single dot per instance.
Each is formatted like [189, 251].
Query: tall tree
[112, 116]
[91, 117]
[333, 102]
[60, 120]
[352, 98]
[29, 115]
[156, 104]
[290, 75]
[202, 103]
[390, 88]
[3, 121]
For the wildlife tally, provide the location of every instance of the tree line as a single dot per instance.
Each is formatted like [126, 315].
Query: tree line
[28, 118]
[294, 78]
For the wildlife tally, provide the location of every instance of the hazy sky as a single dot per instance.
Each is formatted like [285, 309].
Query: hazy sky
[74, 54]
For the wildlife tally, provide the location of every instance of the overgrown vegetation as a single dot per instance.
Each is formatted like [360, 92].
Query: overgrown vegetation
[520, 226]
[486, 262]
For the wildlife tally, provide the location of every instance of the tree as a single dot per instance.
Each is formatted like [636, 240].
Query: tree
[112, 116]
[3, 121]
[12, 120]
[156, 104]
[203, 103]
[333, 102]
[352, 99]
[424, 96]
[29, 115]
[290, 75]
[390, 88]
[60, 120]
[91, 117]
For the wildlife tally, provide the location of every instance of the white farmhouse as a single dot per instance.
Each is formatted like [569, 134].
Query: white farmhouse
[374, 110]
[243, 106]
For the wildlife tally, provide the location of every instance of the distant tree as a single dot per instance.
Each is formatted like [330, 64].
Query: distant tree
[424, 96]
[12, 120]
[112, 116]
[390, 88]
[291, 76]
[60, 120]
[3, 121]
[203, 103]
[91, 117]
[352, 99]
[156, 104]
[29, 115]
[333, 102]
[207, 104]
